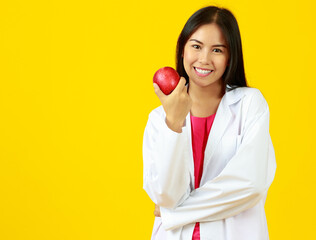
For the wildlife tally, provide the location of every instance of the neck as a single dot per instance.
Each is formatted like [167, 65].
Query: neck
[205, 100]
[200, 94]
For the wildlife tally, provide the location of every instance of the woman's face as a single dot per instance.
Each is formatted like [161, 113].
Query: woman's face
[206, 55]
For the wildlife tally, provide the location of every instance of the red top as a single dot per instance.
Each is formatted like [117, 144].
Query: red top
[200, 129]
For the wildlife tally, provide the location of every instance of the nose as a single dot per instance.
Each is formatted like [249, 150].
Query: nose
[204, 57]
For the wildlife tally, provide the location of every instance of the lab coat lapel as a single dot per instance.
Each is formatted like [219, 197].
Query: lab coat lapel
[222, 119]
[191, 161]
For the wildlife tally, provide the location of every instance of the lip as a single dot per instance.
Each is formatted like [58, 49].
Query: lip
[201, 74]
[204, 69]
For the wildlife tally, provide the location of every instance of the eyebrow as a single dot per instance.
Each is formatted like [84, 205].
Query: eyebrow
[216, 45]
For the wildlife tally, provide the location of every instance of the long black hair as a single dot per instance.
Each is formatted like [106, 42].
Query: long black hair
[234, 75]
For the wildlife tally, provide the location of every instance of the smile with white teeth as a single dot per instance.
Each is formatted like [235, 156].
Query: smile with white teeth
[203, 71]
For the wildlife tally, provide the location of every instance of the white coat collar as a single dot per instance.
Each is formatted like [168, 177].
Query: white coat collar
[234, 95]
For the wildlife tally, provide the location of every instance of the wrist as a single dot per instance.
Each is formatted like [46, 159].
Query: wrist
[174, 125]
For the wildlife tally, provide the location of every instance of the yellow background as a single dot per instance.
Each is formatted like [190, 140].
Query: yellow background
[76, 91]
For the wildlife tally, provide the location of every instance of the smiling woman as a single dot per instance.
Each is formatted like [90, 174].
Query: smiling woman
[225, 37]
[208, 156]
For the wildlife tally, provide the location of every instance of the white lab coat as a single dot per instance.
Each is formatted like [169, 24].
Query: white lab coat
[239, 166]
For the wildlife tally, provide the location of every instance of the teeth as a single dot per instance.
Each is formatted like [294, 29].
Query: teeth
[203, 71]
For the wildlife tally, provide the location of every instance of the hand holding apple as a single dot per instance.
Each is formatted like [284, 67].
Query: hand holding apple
[177, 105]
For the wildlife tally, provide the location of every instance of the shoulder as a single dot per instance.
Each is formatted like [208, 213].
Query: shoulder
[247, 92]
[249, 95]
[255, 103]
[247, 101]
[156, 117]
[157, 124]
[158, 112]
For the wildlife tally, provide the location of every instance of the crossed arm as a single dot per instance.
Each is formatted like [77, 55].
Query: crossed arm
[242, 183]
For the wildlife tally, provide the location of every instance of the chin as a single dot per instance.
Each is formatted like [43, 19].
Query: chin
[203, 84]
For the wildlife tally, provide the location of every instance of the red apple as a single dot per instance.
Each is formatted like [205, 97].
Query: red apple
[167, 79]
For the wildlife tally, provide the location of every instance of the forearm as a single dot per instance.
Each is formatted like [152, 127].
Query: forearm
[241, 185]
[210, 203]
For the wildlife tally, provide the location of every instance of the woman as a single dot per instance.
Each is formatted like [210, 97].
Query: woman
[208, 156]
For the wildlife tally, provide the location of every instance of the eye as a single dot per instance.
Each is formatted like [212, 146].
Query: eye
[217, 50]
[196, 46]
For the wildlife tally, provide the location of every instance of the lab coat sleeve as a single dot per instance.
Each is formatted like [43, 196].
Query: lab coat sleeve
[166, 177]
[242, 183]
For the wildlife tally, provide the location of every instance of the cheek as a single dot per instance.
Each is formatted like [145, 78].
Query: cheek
[188, 58]
[221, 61]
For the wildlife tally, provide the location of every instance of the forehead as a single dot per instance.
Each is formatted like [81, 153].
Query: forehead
[209, 34]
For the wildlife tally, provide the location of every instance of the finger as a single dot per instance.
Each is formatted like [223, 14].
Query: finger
[181, 85]
[186, 88]
[158, 92]
[157, 211]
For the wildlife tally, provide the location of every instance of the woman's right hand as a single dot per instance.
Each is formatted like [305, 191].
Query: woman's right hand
[176, 105]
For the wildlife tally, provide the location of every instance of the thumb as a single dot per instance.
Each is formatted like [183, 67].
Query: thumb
[158, 92]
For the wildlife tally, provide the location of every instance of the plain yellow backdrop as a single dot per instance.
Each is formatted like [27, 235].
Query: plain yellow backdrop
[75, 94]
